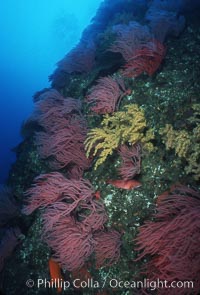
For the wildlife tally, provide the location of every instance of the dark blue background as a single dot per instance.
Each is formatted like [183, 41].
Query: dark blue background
[34, 35]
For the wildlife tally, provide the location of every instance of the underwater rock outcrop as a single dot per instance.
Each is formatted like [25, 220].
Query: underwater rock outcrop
[127, 93]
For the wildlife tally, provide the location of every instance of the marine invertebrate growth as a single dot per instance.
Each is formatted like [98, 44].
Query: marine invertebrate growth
[54, 187]
[186, 142]
[122, 127]
[139, 49]
[176, 139]
[106, 95]
[80, 59]
[172, 239]
[129, 38]
[146, 59]
[71, 217]
[131, 160]
[70, 243]
[63, 134]
[107, 247]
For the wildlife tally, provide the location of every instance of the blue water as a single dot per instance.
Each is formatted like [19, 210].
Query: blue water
[34, 35]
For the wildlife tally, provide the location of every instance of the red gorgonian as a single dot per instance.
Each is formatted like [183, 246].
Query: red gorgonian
[131, 160]
[106, 95]
[64, 130]
[146, 59]
[72, 219]
[141, 52]
[172, 240]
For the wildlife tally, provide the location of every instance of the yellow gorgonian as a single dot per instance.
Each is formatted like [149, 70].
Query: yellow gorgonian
[128, 126]
[179, 140]
[186, 143]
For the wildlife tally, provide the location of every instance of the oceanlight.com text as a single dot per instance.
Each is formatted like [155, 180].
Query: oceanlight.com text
[112, 283]
[150, 284]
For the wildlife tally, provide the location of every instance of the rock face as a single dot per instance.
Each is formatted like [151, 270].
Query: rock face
[134, 53]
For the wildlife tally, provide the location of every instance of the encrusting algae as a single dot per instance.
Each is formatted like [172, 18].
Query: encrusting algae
[122, 127]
